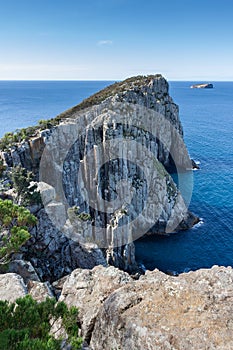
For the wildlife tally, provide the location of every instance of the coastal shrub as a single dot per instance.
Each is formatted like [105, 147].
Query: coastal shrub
[15, 222]
[26, 324]
[12, 139]
[25, 186]
[48, 124]
[6, 141]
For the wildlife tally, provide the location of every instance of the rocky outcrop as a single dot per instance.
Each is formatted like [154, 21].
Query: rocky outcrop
[152, 92]
[195, 165]
[107, 161]
[88, 289]
[191, 311]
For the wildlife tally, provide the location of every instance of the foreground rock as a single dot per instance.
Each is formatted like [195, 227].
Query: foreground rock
[87, 290]
[12, 287]
[191, 311]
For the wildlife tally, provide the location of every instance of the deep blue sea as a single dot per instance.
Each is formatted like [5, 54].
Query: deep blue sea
[207, 118]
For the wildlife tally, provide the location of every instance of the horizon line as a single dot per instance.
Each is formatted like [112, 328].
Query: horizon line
[116, 80]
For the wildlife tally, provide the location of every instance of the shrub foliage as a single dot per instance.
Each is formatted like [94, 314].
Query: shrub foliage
[15, 222]
[25, 186]
[26, 324]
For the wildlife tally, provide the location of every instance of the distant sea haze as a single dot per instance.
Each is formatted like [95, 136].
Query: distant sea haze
[207, 119]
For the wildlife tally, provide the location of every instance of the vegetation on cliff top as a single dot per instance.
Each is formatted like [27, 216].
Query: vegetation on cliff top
[110, 90]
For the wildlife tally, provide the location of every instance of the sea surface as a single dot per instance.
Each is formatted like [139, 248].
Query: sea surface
[24, 103]
[207, 119]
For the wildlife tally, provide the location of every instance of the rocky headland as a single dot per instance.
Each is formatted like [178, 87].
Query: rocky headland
[151, 119]
[83, 253]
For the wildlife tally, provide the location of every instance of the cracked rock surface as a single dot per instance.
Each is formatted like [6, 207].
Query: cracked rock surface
[191, 311]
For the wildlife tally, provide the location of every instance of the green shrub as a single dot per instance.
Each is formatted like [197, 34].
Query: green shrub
[11, 139]
[26, 324]
[26, 191]
[15, 222]
[74, 214]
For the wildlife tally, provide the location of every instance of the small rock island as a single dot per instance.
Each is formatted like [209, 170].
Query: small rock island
[202, 86]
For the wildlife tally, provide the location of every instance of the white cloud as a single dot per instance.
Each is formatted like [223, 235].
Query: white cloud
[104, 42]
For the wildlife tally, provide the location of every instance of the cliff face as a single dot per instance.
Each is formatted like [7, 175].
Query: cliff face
[104, 170]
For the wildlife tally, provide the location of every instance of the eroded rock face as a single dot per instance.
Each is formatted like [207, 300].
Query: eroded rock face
[126, 138]
[53, 255]
[191, 311]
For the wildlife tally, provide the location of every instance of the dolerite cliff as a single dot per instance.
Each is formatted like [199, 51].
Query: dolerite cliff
[104, 177]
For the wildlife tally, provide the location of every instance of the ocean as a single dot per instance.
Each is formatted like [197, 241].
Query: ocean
[207, 119]
[24, 103]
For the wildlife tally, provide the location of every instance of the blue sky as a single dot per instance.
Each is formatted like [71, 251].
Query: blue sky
[115, 39]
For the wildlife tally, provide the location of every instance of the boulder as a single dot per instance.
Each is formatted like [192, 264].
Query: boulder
[40, 291]
[24, 269]
[87, 290]
[12, 287]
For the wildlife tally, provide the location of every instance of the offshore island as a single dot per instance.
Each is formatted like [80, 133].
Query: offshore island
[120, 305]
[202, 86]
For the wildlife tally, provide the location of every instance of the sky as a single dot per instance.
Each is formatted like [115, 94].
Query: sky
[115, 39]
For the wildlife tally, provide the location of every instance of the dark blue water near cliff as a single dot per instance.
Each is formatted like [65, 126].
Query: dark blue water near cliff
[207, 118]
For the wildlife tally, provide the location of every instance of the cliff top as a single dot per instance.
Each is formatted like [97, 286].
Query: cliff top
[111, 90]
